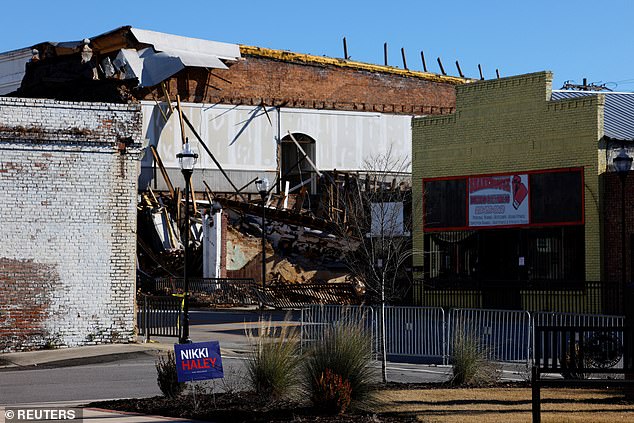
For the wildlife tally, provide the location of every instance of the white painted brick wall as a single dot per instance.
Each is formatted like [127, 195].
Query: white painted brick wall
[68, 204]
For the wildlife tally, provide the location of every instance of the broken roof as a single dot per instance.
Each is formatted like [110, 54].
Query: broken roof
[167, 54]
[149, 56]
[152, 56]
[618, 116]
[289, 56]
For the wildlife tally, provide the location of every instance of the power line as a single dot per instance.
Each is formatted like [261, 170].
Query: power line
[570, 85]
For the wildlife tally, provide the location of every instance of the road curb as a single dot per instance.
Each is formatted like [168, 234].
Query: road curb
[79, 361]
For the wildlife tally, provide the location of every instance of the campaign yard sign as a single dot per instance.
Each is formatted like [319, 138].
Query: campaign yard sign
[198, 361]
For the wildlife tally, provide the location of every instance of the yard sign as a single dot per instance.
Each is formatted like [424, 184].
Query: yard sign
[198, 361]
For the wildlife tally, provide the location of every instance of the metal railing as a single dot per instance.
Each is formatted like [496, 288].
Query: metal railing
[159, 315]
[574, 351]
[574, 319]
[573, 297]
[427, 334]
[505, 335]
[246, 292]
[220, 291]
[302, 295]
[416, 332]
[317, 320]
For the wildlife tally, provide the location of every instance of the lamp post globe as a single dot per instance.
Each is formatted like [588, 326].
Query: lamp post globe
[262, 185]
[622, 163]
[187, 160]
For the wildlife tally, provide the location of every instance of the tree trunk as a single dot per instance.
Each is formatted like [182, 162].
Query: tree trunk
[383, 338]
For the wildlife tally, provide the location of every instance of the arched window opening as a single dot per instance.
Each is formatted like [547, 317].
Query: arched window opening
[295, 164]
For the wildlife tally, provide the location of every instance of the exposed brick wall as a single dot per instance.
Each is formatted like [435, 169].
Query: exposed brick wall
[277, 83]
[27, 293]
[612, 225]
[69, 190]
[508, 125]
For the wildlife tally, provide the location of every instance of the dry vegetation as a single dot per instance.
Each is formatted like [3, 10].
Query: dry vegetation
[508, 404]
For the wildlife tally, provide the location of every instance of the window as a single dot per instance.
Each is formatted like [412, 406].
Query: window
[296, 168]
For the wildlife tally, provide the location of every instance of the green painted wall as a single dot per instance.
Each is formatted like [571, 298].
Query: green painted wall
[510, 125]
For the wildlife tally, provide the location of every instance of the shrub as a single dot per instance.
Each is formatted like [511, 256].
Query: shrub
[470, 364]
[345, 352]
[167, 377]
[273, 361]
[574, 358]
[333, 393]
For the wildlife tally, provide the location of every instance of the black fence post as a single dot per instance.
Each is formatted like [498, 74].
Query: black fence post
[146, 318]
[536, 395]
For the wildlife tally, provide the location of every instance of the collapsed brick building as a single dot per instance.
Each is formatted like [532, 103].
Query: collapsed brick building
[249, 112]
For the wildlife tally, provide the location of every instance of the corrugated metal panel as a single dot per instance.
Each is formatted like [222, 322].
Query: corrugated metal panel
[181, 45]
[12, 65]
[619, 111]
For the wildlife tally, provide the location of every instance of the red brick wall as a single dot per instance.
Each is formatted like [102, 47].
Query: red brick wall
[257, 79]
[26, 291]
[612, 225]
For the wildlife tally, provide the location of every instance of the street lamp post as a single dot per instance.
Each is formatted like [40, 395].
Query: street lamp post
[623, 164]
[262, 185]
[187, 160]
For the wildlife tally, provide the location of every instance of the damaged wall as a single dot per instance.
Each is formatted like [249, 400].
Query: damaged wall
[243, 140]
[286, 79]
[67, 260]
[353, 111]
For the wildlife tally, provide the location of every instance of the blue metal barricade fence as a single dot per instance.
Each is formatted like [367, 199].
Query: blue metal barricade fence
[427, 334]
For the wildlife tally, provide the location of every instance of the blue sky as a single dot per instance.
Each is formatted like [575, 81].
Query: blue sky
[574, 39]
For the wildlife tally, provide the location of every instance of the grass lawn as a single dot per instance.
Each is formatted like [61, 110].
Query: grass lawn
[507, 404]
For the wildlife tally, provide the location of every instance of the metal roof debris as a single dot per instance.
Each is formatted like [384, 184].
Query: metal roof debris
[125, 53]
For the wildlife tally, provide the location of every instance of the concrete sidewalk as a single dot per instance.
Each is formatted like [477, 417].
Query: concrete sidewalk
[95, 415]
[64, 357]
[232, 338]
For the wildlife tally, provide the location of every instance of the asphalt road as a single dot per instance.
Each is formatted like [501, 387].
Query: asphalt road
[127, 378]
[134, 376]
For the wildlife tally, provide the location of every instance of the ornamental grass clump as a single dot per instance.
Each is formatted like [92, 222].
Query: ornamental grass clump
[470, 364]
[273, 361]
[337, 368]
[166, 375]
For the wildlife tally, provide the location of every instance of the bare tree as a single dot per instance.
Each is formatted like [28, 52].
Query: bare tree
[377, 210]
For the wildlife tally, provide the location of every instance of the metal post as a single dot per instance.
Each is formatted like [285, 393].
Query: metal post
[146, 318]
[185, 338]
[263, 244]
[623, 277]
[262, 185]
[536, 400]
[628, 342]
[623, 165]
